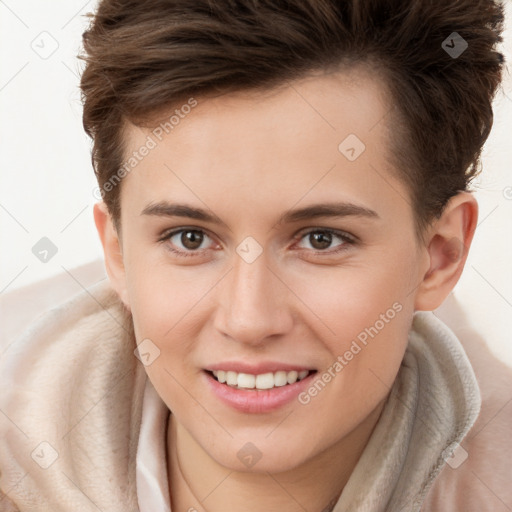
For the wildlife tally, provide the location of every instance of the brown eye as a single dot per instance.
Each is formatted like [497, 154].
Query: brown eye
[325, 240]
[187, 241]
[320, 240]
[191, 239]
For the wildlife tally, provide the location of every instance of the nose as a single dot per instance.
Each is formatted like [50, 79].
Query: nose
[252, 305]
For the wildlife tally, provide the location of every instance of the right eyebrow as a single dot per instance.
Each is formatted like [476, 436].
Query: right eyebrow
[167, 209]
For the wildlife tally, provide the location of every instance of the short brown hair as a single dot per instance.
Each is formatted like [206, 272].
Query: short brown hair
[143, 57]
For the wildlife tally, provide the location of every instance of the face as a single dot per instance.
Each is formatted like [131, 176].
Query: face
[264, 244]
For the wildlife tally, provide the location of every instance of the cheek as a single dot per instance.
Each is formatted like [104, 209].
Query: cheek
[163, 318]
[362, 368]
[169, 307]
[164, 296]
[349, 299]
[366, 315]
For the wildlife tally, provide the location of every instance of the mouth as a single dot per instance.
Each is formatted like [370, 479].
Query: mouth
[261, 381]
[257, 387]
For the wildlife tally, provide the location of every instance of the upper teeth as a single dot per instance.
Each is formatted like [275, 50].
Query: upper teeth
[261, 381]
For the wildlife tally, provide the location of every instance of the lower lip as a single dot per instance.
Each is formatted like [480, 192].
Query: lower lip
[257, 400]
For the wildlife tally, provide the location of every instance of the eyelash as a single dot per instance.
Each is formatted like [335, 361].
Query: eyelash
[348, 240]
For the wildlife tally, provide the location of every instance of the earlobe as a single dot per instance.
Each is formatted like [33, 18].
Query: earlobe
[448, 244]
[112, 250]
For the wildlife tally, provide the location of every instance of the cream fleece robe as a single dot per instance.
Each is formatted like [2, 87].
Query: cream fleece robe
[71, 407]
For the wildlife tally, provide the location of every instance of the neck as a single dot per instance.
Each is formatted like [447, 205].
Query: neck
[199, 484]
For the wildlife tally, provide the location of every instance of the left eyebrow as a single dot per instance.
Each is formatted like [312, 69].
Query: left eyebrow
[340, 209]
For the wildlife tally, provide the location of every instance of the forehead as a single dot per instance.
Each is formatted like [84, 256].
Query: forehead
[325, 135]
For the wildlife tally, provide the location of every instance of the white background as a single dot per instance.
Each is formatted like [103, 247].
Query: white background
[47, 182]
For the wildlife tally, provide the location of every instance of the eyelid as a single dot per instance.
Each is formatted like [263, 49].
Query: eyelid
[337, 232]
[166, 234]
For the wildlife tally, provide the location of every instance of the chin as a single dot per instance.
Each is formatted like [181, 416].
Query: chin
[260, 454]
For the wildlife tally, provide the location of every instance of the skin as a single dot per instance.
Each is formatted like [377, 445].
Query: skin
[248, 158]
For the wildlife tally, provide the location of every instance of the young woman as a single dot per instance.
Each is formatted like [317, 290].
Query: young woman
[285, 195]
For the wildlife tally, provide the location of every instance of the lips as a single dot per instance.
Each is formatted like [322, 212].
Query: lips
[258, 388]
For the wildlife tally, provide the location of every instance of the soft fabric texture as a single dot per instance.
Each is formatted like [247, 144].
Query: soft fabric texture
[72, 383]
[152, 481]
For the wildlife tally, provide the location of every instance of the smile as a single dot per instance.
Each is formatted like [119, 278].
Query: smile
[267, 380]
[257, 391]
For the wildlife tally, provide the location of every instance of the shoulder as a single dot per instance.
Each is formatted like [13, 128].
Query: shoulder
[70, 378]
[479, 475]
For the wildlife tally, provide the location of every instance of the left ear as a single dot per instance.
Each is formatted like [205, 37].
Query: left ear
[448, 242]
